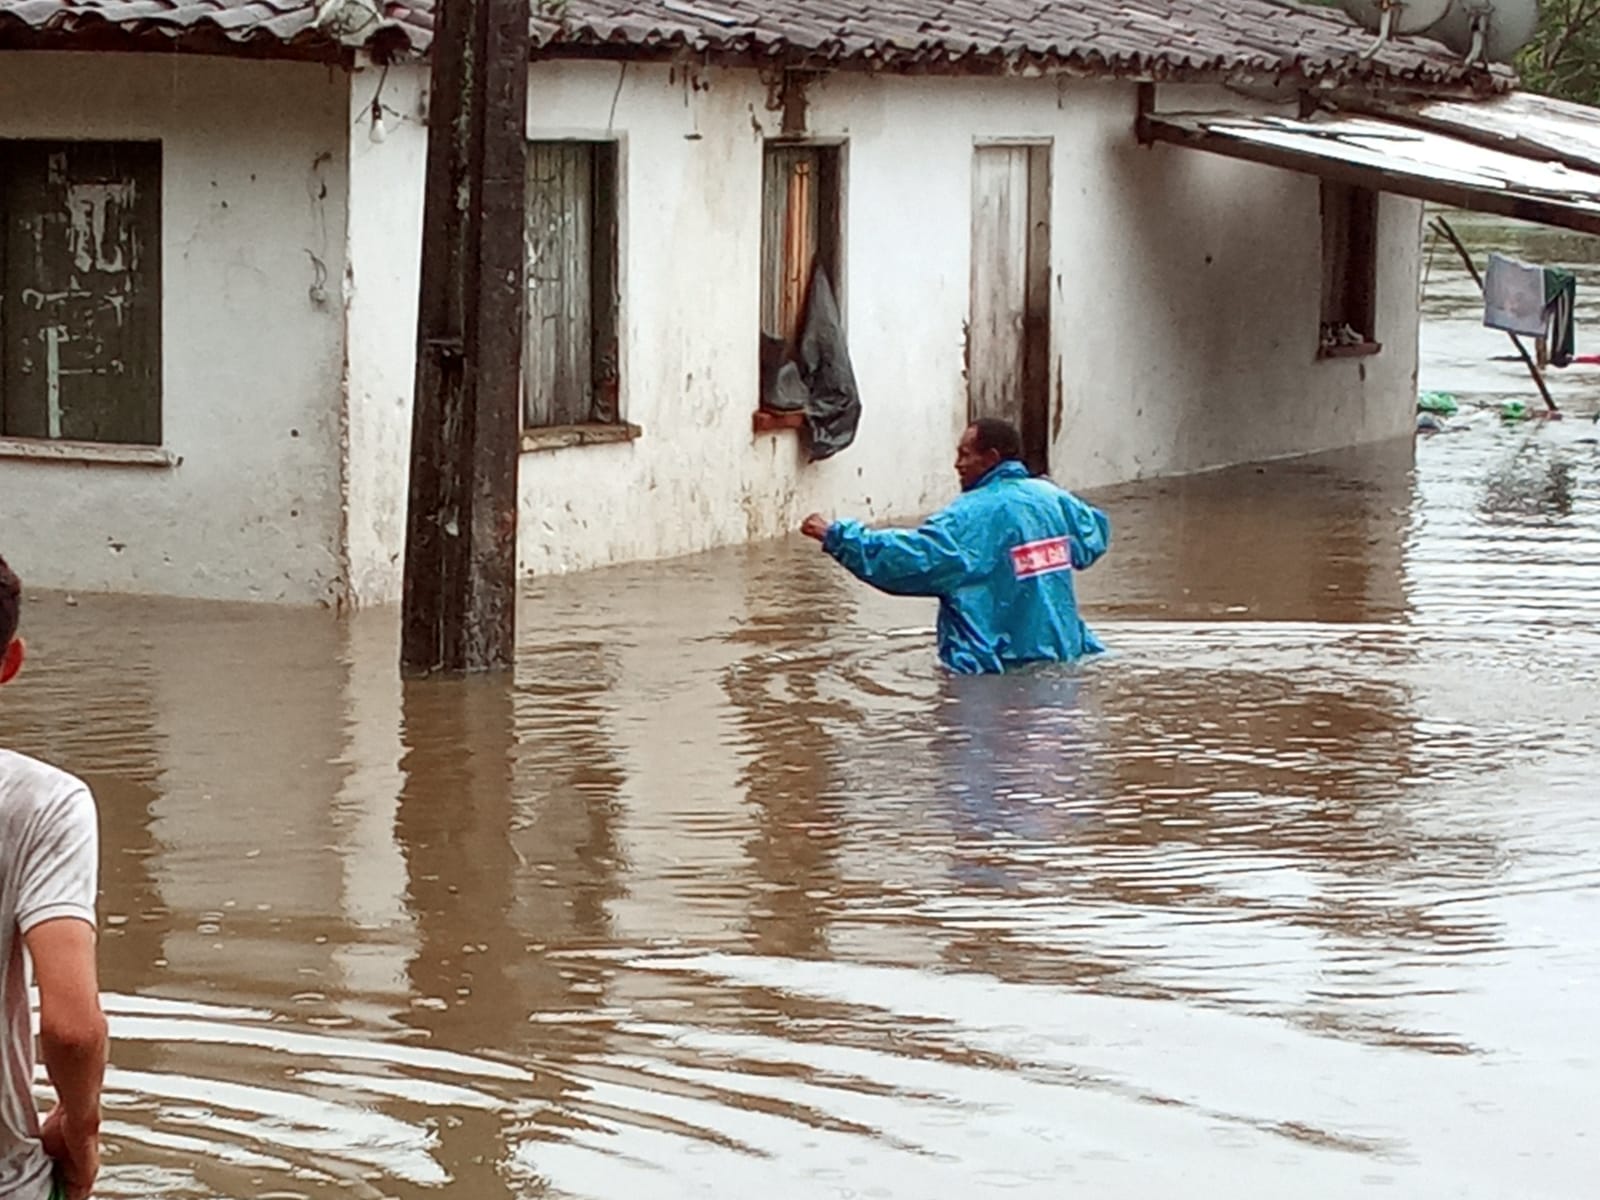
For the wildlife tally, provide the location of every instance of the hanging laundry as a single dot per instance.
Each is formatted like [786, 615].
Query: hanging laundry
[819, 380]
[1514, 296]
[1561, 306]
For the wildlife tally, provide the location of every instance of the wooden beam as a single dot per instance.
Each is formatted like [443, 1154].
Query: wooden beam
[459, 601]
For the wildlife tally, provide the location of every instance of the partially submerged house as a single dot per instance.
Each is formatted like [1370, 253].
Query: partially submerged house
[212, 222]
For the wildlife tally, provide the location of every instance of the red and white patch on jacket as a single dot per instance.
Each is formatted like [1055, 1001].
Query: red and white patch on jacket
[1041, 558]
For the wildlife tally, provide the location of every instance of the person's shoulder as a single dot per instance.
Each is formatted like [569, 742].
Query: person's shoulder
[1044, 483]
[1043, 489]
[1047, 487]
[26, 780]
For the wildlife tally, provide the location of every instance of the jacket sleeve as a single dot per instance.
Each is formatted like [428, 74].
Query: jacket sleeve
[1090, 531]
[904, 562]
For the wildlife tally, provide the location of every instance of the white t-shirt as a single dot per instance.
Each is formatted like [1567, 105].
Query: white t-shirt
[49, 868]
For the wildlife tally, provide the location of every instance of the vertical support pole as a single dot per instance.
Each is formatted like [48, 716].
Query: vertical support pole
[459, 603]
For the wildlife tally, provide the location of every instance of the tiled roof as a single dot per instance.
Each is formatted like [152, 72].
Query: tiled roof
[1189, 38]
[1223, 37]
[213, 24]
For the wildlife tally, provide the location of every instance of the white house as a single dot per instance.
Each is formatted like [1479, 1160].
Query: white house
[210, 261]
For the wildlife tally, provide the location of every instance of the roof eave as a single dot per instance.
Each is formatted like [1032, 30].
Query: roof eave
[89, 32]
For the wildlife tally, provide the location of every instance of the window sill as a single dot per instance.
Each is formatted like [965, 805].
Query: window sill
[563, 437]
[771, 422]
[1359, 350]
[108, 453]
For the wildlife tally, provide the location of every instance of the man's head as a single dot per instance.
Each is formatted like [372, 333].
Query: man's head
[986, 444]
[10, 609]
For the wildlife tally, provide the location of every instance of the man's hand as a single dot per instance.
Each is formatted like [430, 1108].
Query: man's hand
[72, 1046]
[52, 1136]
[815, 526]
[76, 1153]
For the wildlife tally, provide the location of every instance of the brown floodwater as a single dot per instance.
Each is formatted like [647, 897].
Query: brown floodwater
[1297, 892]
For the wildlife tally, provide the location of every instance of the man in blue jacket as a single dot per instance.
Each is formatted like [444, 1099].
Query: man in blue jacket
[999, 559]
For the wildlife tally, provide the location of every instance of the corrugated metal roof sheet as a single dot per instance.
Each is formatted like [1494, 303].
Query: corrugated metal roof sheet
[1520, 123]
[1429, 164]
[1192, 38]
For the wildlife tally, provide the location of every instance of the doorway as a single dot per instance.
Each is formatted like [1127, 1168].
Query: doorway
[1008, 334]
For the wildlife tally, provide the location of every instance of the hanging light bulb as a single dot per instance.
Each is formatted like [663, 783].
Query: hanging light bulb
[379, 130]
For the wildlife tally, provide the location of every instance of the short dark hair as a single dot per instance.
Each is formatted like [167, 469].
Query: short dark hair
[10, 603]
[992, 433]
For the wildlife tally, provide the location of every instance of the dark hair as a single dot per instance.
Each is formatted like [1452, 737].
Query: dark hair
[1000, 436]
[10, 603]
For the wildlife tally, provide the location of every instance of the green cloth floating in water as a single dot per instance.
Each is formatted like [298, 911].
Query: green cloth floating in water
[1441, 404]
[1514, 410]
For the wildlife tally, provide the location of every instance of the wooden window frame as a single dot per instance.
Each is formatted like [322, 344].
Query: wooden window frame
[814, 180]
[1349, 296]
[140, 374]
[598, 418]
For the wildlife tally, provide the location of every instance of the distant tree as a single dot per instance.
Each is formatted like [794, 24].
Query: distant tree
[1564, 60]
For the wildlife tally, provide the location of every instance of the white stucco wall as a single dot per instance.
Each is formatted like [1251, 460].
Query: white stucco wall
[253, 190]
[692, 151]
[1185, 316]
[1203, 306]
[385, 257]
[1185, 308]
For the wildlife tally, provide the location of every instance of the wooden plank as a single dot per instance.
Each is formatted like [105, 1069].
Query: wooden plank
[1000, 238]
[563, 437]
[575, 397]
[539, 362]
[774, 219]
[1035, 423]
[575, 400]
[606, 289]
[799, 243]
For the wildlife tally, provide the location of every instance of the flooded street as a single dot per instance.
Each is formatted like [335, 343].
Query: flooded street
[1295, 893]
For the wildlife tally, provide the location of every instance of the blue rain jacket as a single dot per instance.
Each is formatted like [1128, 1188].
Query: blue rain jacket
[1000, 560]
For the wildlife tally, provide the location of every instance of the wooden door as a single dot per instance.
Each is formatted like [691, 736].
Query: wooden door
[1008, 335]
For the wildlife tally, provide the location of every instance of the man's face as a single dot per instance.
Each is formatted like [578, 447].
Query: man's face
[973, 464]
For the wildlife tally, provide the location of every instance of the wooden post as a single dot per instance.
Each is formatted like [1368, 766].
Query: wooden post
[459, 606]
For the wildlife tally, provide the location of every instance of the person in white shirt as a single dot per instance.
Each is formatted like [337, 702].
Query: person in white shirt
[49, 873]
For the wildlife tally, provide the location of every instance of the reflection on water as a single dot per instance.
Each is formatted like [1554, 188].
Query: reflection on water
[1294, 893]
